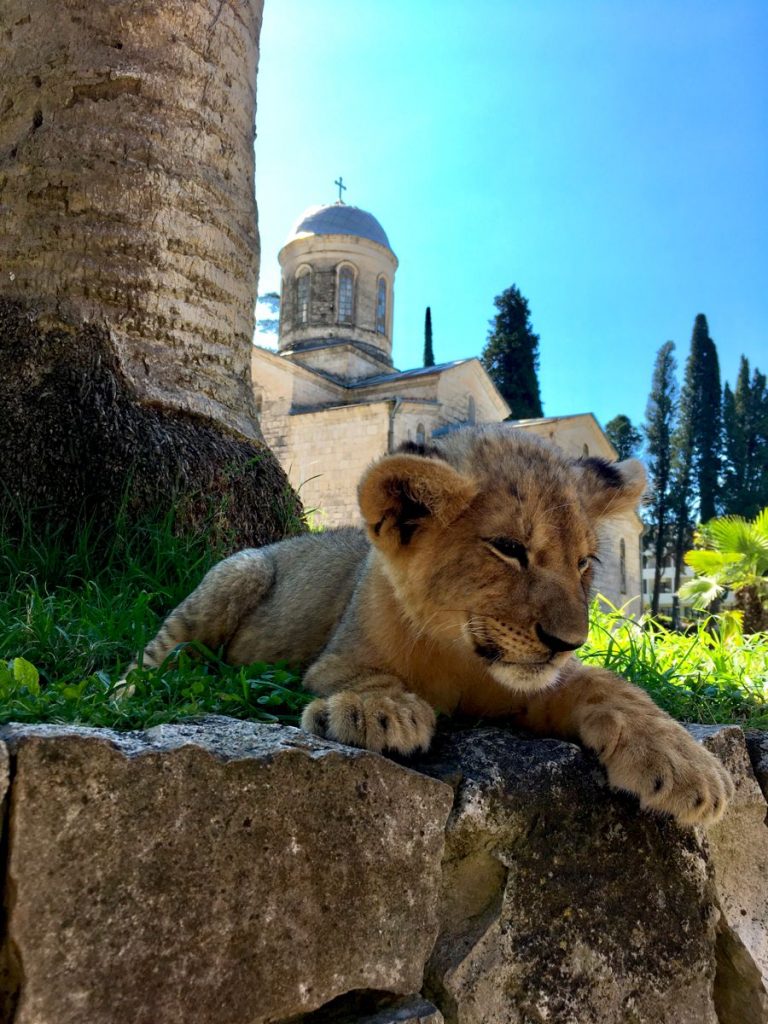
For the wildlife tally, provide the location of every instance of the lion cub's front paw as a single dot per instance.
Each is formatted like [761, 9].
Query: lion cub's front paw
[656, 759]
[404, 723]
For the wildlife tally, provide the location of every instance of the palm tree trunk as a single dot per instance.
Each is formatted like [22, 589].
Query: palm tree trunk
[755, 614]
[129, 249]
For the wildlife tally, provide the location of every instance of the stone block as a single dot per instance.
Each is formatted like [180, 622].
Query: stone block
[738, 853]
[222, 872]
[408, 1011]
[757, 746]
[562, 902]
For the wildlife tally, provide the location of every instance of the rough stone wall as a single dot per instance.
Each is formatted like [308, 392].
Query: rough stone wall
[608, 579]
[572, 434]
[454, 388]
[223, 872]
[412, 413]
[329, 451]
[343, 361]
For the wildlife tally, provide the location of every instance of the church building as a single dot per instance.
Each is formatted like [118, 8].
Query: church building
[331, 401]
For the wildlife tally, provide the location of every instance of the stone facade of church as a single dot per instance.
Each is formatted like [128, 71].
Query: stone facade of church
[331, 401]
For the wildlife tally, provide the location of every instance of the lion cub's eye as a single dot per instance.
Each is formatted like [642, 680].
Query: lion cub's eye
[509, 549]
[584, 563]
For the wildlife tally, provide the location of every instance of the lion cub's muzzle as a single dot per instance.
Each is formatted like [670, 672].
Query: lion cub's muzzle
[499, 643]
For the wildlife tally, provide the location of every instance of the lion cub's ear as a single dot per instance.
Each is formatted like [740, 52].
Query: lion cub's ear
[400, 493]
[610, 488]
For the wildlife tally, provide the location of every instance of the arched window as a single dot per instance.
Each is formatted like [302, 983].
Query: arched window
[421, 435]
[471, 410]
[623, 565]
[284, 300]
[346, 299]
[585, 451]
[302, 296]
[381, 307]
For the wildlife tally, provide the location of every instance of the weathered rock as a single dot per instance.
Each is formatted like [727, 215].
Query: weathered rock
[562, 901]
[222, 871]
[757, 746]
[8, 965]
[409, 1011]
[372, 1008]
[3, 773]
[738, 849]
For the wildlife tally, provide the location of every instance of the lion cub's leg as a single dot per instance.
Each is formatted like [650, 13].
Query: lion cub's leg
[213, 611]
[366, 708]
[644, 750]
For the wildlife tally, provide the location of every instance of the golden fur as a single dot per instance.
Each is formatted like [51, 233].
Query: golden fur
[467, 592]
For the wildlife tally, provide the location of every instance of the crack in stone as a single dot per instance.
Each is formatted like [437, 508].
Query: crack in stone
[11, 967]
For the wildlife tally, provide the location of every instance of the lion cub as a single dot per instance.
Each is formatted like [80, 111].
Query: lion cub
[468, 591]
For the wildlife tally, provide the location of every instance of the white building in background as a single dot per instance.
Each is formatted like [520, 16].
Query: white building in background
[667, 588]
[666, 591]
[331, 401]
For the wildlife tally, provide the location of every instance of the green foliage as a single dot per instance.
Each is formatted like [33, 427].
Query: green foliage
[698, 435]
[624, 437]
[713, 674]
[732, 554]
[659, 424]
[193, 682]
[429, 354]
[72, 616]
[269, 304]
[511, 354]
[745, 444]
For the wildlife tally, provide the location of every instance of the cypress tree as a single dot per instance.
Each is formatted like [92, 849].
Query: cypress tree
[695, 447]
[745, 444]
[681, 485]
[511, 354]
[660, 420]
[706, 422]
[624, 437]
[429, 355]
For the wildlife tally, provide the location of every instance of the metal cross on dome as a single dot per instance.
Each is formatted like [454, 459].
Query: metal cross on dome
[342, 187]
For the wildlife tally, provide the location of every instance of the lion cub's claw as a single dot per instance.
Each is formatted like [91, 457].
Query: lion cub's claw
[403, 724]
[660, 763]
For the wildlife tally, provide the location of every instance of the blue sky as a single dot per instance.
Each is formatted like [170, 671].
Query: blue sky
[610, 158]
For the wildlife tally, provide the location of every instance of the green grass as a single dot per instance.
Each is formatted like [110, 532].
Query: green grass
[712, 673]
[73, 616]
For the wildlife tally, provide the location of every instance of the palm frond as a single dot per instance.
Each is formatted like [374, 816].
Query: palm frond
[700, 592]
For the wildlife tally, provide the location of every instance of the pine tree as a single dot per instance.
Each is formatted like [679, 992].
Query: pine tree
[706, 423]
[429, 355]
[695, 447]
[660, 420]
[745, 444]
[511, 354]
[624, 437]
[681, 485]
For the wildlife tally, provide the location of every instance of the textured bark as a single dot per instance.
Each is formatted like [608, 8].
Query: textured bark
[128, 216]
[75, 441]
[126, 168]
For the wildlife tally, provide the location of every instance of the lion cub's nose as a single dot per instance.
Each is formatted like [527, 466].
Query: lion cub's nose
[554, 643]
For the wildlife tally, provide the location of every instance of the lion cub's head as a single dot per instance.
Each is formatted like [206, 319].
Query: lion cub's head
[489, 538]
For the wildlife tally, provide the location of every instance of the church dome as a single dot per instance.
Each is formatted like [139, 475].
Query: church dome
[338, 219]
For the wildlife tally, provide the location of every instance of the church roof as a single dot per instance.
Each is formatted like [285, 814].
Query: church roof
[338, 219]
[421, 371]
